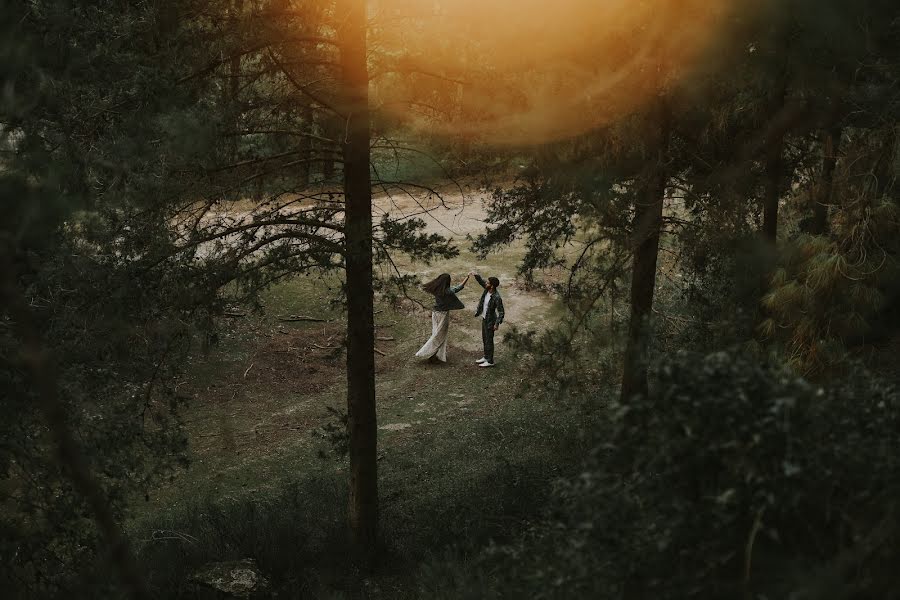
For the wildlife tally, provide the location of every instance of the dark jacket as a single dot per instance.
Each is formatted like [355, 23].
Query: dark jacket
[495, 312]
[448, 301]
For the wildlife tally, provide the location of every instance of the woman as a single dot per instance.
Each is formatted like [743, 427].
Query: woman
[445, 300]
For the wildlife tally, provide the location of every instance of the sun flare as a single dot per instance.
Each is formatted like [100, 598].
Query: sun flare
[530, 71]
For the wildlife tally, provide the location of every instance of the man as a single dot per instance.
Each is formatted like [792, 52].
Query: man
[490, 309]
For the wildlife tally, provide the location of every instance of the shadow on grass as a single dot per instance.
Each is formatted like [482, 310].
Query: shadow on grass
[441, 506]
[290, 532]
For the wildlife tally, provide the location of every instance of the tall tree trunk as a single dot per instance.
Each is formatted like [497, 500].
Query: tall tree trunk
[234, 81]
[306, 143]
[363, 505]
[772, 192]
[647, 224]
[831, 140]
[331, 129]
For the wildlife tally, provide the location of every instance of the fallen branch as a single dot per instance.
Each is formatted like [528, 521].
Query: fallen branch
[326, 347]
[248, 370]
[378, 351]
[166, 534]
[234, 313]
[385, 339]
[293, 318]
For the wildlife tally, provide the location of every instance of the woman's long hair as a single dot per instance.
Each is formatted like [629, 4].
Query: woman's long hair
[438, 286]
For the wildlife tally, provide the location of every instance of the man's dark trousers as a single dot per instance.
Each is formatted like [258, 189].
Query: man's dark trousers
[487, 338]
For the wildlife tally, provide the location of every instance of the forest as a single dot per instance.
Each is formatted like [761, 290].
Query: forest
[223, 224]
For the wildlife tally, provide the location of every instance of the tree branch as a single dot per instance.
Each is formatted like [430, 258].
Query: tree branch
[302, 88]
[212, 66]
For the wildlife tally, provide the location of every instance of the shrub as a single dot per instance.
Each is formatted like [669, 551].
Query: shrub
[732, 477]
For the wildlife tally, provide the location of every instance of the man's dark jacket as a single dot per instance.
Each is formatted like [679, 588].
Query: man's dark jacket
[495, 312]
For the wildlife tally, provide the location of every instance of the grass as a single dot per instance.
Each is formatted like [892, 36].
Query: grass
[464, 456]
[464, 459]
[445, 494]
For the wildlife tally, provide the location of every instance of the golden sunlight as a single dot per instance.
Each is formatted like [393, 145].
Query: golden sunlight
[534, 70]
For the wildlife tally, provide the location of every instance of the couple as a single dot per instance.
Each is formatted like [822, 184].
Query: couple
[490, 309]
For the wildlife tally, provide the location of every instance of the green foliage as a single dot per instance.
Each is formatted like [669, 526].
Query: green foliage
[114, 325]
[335, 433]
[526, 211]
[717, 290]
[828, 291]
[731, 477]
[407, 235]
[725, 442]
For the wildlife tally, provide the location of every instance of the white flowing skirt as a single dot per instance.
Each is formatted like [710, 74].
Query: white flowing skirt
[437, 343]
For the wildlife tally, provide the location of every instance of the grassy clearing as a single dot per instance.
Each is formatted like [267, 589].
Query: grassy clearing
[465, 456]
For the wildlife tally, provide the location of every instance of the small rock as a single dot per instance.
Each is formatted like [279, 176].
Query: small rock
[231, 579]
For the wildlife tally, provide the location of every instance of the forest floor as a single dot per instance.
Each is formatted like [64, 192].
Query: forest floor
[467, 456]
[458, 444]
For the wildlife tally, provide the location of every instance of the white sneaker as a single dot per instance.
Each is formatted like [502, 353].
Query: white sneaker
[480, 360]
[485, 364]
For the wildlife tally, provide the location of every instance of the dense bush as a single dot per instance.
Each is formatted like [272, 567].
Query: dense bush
[116, 346]
[741, 460]
[731, 478]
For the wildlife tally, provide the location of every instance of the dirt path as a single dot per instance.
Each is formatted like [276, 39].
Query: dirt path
[457, 214]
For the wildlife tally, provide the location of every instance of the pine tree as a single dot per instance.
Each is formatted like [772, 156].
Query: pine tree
[358, 243]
